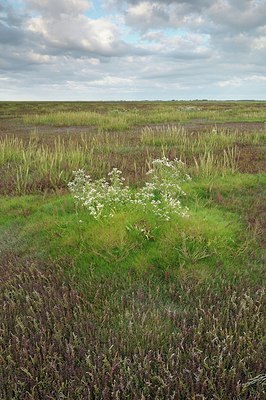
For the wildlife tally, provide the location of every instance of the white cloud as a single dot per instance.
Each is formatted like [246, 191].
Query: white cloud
[78, 33]
[70, 31]
[260, 43]
[238, 81]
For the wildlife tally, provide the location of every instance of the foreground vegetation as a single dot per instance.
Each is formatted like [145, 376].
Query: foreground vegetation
[207, 340]
[126, 304]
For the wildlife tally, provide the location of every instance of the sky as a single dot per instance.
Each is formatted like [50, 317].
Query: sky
[90, 50]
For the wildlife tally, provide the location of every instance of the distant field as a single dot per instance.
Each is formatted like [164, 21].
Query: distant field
[42, 143]
[147, 288]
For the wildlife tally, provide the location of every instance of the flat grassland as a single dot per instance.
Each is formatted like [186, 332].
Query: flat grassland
[132, 305]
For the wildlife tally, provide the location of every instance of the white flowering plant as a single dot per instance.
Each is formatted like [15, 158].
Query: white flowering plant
[161, 195]
[101, 197]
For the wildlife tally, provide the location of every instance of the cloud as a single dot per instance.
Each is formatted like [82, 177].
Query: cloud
[147, 15]
[77, 35]
[11, 31]
[9, 35]
[64, 26]
[54, 8]
[134, 49]
[238, 15]
[189, 46]
[237, 82]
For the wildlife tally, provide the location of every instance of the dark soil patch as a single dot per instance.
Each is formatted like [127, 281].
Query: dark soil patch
[200, 125]
[14, 126]
[252, 159]
[45, 134]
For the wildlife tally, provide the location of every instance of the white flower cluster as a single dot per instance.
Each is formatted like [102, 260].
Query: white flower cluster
[100, 197]
[163, 192]
[160, 196]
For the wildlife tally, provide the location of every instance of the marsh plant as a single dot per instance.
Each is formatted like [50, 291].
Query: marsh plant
[160, 195]
[100, 197]
[163, 192]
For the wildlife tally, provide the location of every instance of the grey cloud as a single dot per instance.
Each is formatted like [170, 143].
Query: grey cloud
[9, 35]
[148, 16]
[234, 27]
[236, 15]
[192, 5]
[58, 7]
[239, 16]
[11, 29]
